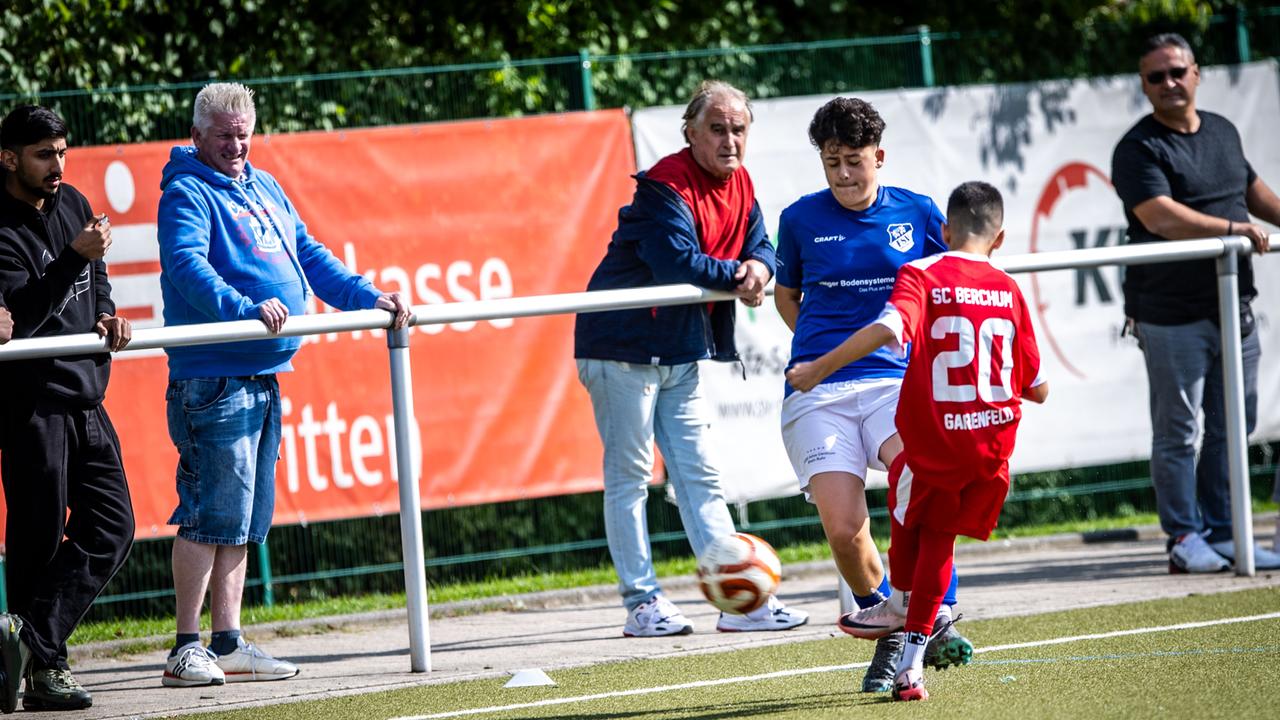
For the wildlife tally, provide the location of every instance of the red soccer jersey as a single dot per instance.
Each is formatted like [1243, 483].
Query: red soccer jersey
[973, 355]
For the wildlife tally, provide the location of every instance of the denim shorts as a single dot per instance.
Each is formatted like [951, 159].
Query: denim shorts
[227, 432]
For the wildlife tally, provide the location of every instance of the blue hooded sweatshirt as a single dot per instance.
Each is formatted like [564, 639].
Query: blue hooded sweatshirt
[227, 246]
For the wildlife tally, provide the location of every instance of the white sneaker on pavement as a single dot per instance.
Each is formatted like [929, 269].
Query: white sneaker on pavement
[191, 666]
[1191, 554]
[1262, 559]
[656, 617]
[247, 663]
[772, 615]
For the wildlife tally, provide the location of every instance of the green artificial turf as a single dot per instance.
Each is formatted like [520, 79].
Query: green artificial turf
[1221, 671]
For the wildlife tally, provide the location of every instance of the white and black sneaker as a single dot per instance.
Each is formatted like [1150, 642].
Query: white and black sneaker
[656, 617]
[772, 615]
[192, 666]
[1189, 553]
[1263, 559]
[249, 663]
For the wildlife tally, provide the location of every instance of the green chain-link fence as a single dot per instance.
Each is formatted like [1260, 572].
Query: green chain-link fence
[503, 89]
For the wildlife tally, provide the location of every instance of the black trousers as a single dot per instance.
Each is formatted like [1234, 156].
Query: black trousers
[53, 459]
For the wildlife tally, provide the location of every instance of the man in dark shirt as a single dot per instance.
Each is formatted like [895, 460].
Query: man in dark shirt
[58, 450]
[1181, 173]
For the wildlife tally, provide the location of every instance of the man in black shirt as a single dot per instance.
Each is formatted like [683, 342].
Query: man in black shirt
[58, 450]
[1181, 173]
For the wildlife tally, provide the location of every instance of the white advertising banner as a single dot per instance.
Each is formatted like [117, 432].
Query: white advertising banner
[1048, 147]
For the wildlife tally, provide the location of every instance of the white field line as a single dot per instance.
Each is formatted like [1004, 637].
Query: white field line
[828, 668]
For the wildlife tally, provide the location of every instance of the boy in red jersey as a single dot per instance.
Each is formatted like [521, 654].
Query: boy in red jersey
[973, 357]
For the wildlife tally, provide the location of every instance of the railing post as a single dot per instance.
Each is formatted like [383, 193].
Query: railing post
[584, 72]
[1242, 35]
[264, 574]
[415, 571]
[926, 56]
[845, 593]
[1233, 390]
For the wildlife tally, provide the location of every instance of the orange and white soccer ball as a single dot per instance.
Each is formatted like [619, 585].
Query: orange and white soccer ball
[738, 573]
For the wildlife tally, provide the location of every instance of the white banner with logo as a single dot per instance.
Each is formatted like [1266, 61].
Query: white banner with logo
[1048, 147]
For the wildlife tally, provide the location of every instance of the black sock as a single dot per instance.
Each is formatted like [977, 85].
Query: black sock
[224, 642]
[184, 639]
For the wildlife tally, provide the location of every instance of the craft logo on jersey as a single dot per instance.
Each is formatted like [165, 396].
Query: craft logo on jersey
[900, 238]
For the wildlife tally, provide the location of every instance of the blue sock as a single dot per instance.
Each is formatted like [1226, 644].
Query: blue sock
[877, 595]
[950, 597]
[184, 639]
[224, 642]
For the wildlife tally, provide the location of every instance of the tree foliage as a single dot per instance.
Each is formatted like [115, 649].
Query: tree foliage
[162, 50]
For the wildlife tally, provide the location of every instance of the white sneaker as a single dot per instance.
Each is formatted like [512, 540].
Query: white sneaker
[873, 623]
[656, 617]
[1262, 559]
[191, 666]
[249, 664]
[772, 615]
[1191, 554]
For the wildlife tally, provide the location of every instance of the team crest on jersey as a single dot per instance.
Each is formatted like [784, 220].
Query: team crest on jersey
[900, 237]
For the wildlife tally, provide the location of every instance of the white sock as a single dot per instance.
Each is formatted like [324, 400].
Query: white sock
[898, 600]
[944, 613]
[913, 652]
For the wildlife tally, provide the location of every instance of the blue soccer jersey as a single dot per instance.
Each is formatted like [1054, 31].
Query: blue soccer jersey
[844, 262]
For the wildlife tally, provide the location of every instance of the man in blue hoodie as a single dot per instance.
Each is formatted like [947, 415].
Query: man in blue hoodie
[232, 247]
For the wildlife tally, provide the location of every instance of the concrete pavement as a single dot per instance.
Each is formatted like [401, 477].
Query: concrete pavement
[368, 653]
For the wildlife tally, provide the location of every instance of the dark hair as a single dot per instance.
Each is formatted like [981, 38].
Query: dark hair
[975, 208]
[848, 121]
[1164, 40]
[28, 125]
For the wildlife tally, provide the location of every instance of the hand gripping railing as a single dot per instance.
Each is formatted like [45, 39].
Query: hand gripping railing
[1226, 250]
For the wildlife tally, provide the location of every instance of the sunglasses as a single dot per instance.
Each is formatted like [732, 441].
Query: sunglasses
[1157, 77]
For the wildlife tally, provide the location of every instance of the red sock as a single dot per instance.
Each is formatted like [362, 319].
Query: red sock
[931, 575]
[904, 546]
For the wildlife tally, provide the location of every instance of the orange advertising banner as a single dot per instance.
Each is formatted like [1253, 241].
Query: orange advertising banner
[443, 212]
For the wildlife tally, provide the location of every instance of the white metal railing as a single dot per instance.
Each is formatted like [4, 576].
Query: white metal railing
[1226, 250]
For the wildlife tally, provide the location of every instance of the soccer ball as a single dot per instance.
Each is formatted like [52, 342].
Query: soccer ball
[738, 573]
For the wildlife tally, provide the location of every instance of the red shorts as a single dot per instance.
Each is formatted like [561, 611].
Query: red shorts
[960, 504]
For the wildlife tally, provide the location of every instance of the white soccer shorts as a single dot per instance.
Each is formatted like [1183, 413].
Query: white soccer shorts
[839, 427]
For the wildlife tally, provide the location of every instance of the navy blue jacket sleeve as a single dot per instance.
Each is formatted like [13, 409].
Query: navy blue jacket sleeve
[757, 245]
[667, 242]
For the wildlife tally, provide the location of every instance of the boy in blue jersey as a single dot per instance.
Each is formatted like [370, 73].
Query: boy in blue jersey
[839, 251]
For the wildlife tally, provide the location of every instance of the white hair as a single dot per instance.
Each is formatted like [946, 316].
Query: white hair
[707, 92]
[222, 98]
